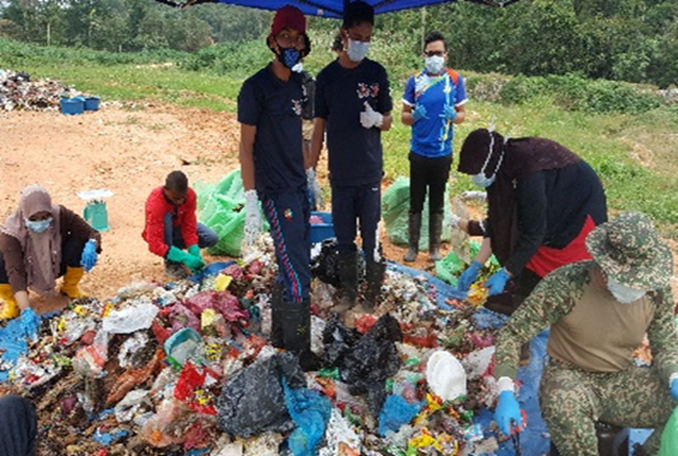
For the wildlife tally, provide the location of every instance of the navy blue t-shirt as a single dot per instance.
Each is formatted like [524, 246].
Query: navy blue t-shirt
[274, 107]
[355, 153]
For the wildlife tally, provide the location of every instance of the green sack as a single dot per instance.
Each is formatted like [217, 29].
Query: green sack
[450, 267]
[669, 442]
[221, 206]
[395, 208]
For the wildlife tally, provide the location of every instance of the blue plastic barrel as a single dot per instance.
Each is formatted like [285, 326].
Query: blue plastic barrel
[72, 106]
[91, 103]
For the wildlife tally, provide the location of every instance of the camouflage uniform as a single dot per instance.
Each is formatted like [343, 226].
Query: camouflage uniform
[573, 399]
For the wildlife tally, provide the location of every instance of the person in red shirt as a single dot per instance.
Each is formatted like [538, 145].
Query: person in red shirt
[172, 226]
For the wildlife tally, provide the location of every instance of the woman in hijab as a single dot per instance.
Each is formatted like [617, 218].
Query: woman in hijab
[542, 199]
[41, 242]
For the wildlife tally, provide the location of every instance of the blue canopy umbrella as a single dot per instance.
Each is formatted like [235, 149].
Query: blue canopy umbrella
[333, 8]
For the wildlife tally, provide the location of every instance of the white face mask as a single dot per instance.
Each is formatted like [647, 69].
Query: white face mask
[434, 64]
[357, 50]
[298, 68]
[623, 294]
[483, 181]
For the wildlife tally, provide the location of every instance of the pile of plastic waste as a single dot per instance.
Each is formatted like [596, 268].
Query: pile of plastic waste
[19, 92]
[185, 368]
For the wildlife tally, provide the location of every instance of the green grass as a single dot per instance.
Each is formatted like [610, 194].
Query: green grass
[633, 152]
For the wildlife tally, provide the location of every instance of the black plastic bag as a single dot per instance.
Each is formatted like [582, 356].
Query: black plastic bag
[253, 401]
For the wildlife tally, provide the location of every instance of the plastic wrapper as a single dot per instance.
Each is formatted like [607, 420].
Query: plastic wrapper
[253, 401]
[128, 349]
[131, 319]
[310, 411]
[477, 362]
[396, 412]
[182, 317]
[194, 388]
[340, 438]
[161, 429]
[221, 301]
[128, 406]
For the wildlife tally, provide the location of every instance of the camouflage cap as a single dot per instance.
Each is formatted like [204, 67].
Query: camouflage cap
[629, 250]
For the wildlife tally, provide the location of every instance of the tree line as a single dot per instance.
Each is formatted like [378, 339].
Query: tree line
[629, 40]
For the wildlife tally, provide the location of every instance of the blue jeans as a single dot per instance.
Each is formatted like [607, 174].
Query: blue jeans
[173, 237]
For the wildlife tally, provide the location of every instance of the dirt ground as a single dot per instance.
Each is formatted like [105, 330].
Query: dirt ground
[128, 150]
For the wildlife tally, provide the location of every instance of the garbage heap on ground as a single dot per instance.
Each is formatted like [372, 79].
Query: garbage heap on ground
[19, 92]
[185, 368]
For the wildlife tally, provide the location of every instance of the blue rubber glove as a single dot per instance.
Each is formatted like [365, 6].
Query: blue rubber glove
[449, 113]
[30, 323]
[674, 388]
[419, 113]
[89, 255]
[469, 276]
[507, 410]
[497, 282]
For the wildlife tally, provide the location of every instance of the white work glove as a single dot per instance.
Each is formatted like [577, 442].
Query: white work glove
[313, 185]
[370, 118]
[253, 224]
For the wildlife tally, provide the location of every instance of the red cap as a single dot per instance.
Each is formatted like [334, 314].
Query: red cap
[288, 17]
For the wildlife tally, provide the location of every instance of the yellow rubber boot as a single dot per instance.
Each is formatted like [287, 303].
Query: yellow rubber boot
[71, 280]
[8, 306]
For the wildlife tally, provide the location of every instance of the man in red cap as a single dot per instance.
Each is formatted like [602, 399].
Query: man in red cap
[270, 105]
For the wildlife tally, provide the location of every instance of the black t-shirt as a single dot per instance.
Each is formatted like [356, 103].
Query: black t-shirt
[274, 107]
[355, 153]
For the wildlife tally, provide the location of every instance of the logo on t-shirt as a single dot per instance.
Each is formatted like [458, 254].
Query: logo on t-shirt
[366, 90]
[297, 107]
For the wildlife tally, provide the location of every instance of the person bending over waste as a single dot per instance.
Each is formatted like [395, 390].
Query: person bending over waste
[172, 227]
[272, 167]
[41, 242]
[599, 311]
[353, 101]
[434, 100]
[542, 202]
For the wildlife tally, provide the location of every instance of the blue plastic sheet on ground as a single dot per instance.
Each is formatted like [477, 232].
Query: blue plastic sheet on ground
[310, 411]
[12, 345]
[442, 290]
[396, 412]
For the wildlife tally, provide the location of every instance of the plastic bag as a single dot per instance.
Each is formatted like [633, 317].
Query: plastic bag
[253, 401]
[669, 442]
[365, 364]
[325, 265]
[395, 208]
[446, 376]
[130, 319]
[310, 411]
[221, 207]
[396, 412]
[221, 301]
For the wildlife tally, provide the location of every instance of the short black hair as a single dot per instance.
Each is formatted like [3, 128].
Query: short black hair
[177, 182]
[356, 13]
[434, 36]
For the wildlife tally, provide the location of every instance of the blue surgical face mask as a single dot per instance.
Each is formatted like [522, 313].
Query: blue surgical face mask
[357, 50]
[289, 56]
[39, 225]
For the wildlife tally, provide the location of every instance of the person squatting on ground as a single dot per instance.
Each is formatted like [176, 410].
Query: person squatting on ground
[272, 167]
[172, 226]
[41, 242]
[18, 427]
[433, 102]
[353, 102]
[542, 202]
[599, 311]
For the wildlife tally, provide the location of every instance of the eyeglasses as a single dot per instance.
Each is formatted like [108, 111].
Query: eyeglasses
[434, 53]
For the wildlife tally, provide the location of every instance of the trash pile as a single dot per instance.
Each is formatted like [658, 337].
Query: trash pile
[185, 368]
[18, 91]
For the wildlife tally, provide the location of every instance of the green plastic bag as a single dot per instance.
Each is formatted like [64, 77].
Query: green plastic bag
[450, 267]
[395, 207]
[221, 206]
[669, 442]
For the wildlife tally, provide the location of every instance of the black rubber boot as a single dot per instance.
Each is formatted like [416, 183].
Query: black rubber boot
[435, 229]
[348, 275]
[374, 276]
[276, 315]
[296, 331]
[413, 232]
